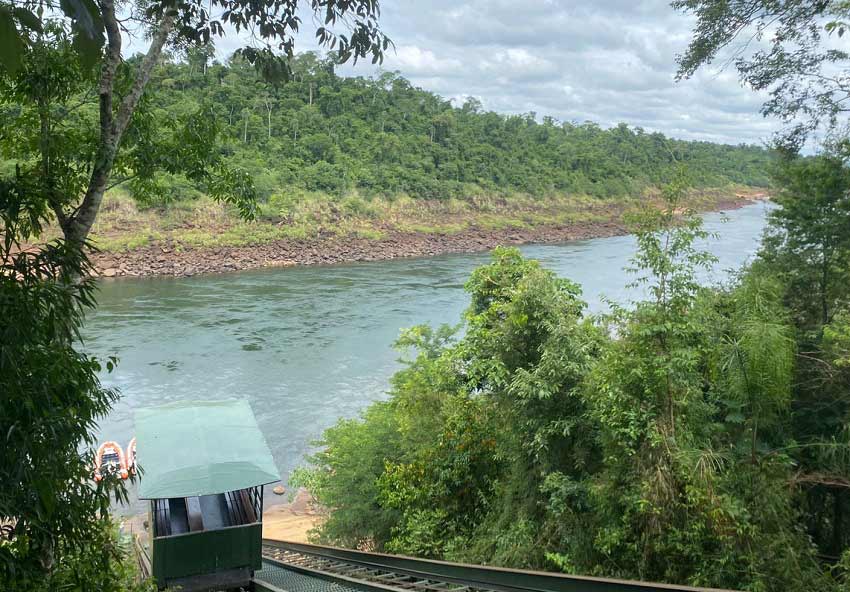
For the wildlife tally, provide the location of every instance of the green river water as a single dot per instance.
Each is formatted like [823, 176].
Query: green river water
[308, 345]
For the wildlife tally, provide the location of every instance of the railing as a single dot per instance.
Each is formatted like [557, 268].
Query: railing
[376, 571]
[161, 518]
[142, 558]
[255, 494]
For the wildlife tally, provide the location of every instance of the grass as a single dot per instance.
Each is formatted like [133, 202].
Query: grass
[299, 215]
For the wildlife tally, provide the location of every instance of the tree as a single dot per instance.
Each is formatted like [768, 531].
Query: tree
[54, 525]
[97, 40]
[811, 232]
[807, 80]
[807, 249]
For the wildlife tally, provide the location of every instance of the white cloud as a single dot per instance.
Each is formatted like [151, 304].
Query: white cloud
[607, 61]
[415, 61]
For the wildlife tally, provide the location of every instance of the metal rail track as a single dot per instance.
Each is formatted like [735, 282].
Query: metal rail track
[330, 569]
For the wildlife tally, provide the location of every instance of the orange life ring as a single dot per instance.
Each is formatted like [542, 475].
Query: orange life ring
[98, 460]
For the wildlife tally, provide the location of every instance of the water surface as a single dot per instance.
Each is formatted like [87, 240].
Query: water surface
[308, 345]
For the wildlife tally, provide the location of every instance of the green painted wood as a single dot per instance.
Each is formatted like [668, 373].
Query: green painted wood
[207, 551]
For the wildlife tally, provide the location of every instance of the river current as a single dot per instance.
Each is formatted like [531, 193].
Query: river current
[309, 345]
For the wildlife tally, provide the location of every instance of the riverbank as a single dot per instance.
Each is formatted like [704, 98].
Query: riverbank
[217, 243]
[293, 520]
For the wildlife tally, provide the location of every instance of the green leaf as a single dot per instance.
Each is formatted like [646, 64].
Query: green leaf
[735, 417]
[28, 19]
[11, 44]
[87, 27]
[89, 49]
[86, 17]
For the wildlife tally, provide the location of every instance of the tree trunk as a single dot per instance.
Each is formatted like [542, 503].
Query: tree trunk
[824, 286]
[837, 522]
[112, 126]
[269, 108]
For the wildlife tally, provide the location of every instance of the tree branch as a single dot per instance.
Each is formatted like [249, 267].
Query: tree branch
[120, 181]
[128, 105]
[112, 128]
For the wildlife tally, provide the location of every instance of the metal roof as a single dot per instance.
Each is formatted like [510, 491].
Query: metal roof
[200, 448]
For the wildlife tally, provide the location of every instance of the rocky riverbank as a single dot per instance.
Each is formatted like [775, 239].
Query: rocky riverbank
[167, 258]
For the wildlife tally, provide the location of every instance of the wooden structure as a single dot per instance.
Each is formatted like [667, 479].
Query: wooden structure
[203, 466]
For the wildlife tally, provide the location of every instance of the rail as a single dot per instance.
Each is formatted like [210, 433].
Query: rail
[143, 559]
[394, 573]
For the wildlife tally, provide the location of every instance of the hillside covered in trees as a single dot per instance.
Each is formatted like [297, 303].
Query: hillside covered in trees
[698, 436]
[382, 136]
[216, 156]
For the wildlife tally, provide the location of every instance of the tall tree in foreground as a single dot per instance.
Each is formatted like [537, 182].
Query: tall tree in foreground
[53, 520]
[797, 51]
[807, 249]
[54, 527]
[97, 37]
[692, 403]
[810, 234]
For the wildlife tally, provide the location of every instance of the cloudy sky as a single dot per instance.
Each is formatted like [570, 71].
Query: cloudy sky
[607, 61]
[601, 60]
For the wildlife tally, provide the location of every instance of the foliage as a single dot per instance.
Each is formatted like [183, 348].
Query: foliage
[805, 252]
[52, 517]
[196, 23]
[53, 137]
[382, 136]
[811, 233]
[688, 399]
[354, 453]
[808, 253]
[804, 75]
[104, 562]
[661, 441]
[59, 49]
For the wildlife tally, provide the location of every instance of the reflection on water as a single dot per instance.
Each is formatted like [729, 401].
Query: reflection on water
[309, 345]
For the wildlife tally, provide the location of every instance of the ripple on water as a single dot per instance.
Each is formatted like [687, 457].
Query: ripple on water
[315, 344]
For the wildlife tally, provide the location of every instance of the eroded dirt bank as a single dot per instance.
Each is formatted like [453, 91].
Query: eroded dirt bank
[168, 259]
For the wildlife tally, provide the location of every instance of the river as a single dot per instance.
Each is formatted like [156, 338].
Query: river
[309, 345]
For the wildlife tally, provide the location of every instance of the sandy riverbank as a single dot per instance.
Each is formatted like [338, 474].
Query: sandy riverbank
[292, 520]
[169, 259]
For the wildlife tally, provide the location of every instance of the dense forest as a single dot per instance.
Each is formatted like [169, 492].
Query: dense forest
[382, 136]
[700, 436]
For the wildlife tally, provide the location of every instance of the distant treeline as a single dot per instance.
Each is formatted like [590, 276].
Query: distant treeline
[383, 136]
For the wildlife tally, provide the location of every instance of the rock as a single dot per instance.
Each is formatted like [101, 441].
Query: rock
[279, 490]
[109, 272]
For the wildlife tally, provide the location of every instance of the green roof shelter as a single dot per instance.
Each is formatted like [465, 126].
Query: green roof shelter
[203, 466]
